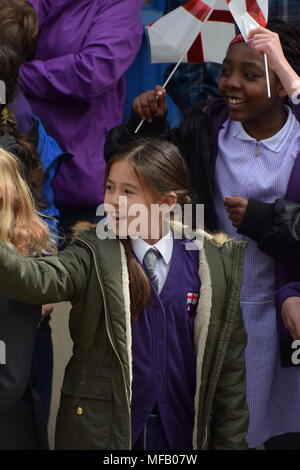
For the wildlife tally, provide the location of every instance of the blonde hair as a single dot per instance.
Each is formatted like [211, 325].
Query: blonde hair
[20, 225]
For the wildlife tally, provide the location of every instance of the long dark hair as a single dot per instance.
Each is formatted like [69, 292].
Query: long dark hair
[160, 167]
[10, 61]
[290, 41]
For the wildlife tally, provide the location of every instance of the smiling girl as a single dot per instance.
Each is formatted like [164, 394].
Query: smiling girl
[242, 152]
[158, 337]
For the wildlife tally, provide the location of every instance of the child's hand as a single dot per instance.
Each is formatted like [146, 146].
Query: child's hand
[151, 104]
[290, 312]
[236, 208]
[47, 309]
[265, 41]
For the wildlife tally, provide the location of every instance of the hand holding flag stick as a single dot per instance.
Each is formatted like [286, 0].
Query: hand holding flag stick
[266, 71]
[168, 79]
[191, 16]
[249, 15]
[164, 86]
[267, 75]
[266, 41]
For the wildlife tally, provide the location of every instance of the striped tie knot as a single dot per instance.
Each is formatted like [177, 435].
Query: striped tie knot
[149, 263]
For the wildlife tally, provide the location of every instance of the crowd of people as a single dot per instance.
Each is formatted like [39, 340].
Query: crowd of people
[183, 337]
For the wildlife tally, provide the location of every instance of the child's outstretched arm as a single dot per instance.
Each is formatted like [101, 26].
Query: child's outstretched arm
[44, 280]
[265, 41]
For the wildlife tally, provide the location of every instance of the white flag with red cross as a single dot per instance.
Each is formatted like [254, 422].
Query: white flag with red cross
[200, 31]
[176, 35]
[249, 14]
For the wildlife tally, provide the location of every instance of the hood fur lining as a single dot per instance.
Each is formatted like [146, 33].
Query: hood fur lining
[201, 326]
[126, 295]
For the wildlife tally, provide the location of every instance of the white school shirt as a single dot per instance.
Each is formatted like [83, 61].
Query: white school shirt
[165, 247]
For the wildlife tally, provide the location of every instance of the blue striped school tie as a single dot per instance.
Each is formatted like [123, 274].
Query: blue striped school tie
[149, 263]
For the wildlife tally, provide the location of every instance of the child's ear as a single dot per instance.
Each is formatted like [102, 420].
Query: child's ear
[170, 200]
[281, 91]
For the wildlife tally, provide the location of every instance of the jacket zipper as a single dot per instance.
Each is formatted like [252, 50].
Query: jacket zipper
[205, 437]
[106, 323]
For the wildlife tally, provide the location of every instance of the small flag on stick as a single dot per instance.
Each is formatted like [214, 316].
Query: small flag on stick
[249, 14]
[201, 31]
[195, 32]
[176, 36]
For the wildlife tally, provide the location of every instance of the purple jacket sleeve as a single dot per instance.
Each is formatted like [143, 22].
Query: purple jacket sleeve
[296, 110]
[108, 50]
[41, 7]
[35, 4]
[289, 290]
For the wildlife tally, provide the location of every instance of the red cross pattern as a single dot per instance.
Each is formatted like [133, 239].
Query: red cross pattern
[192, 298]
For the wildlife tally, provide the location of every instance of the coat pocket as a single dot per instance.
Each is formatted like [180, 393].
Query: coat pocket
[84, 419]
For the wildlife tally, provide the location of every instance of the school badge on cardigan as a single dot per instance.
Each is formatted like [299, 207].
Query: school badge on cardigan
[192, 299]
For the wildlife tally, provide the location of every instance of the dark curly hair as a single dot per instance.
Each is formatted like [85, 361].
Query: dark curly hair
[290, 41]
[19, 144]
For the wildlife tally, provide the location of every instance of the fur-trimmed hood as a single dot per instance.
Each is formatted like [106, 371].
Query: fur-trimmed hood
[218, 238]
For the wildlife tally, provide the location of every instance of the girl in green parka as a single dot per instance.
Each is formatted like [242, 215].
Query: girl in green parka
[158, 356]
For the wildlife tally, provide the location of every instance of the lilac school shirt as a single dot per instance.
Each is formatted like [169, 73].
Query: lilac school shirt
[164, 360]
[273, 392]
[75, 84]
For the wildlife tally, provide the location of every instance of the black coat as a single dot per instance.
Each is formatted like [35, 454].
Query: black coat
[276, 230]
[22, 420]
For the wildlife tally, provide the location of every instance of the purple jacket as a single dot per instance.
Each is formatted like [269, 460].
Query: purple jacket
[289, 290]
[75, 84]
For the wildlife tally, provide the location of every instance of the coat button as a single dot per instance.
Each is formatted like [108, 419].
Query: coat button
[79, 410]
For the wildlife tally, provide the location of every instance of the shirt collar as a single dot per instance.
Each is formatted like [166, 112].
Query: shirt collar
[274, 143]
[164, 246]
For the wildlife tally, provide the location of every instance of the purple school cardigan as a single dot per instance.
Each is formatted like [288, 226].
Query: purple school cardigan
[164, 358]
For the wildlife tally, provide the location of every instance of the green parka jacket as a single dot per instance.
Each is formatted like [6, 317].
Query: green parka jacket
[94, 410]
